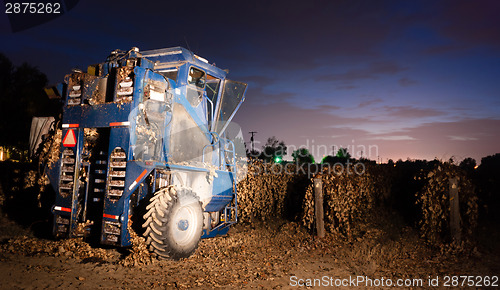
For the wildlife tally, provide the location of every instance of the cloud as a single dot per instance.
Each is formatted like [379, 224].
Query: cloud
[296, 35]
[319, 130]
[370, 102]
[394, 138]
[462, 138]
[328, 108]
[465, 138]
[461, 25]
[309, 127]
[405, 82]
[411, 112]
[285, 117]
[373, 72]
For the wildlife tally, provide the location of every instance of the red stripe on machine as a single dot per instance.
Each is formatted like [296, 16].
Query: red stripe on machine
[60, 208]
[115, 124]
[142, 175]
[110, 216]
[137, 180]
[70, 125]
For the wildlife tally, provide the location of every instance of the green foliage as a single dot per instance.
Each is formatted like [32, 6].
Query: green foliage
[273, 148]
[341, 157]
[302, 156]
[343, 153]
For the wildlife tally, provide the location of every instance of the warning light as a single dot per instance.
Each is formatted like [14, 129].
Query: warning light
[70, 139]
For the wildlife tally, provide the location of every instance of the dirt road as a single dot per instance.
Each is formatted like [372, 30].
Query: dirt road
[278, 255]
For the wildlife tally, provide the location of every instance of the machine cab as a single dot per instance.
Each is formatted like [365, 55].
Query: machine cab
[204, 101]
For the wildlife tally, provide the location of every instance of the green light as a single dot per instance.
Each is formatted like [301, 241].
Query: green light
[277, 159]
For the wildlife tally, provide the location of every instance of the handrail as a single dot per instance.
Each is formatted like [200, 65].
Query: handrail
[225, 145]
[211, 111]
[215, 140]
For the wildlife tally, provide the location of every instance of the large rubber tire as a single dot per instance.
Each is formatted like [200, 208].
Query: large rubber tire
[173, 222]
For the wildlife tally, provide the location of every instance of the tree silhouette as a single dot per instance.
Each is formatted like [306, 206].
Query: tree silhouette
[22, 98]
[273, 149]
[488, 184]
[468, 164]
[343, 153]
[342, 156]
[302, 156]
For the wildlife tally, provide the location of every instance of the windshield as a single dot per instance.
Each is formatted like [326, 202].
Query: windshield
[232, 96]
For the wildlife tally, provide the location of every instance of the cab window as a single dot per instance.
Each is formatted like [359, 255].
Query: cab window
[170, 74]
[196, 77]
[196, 86]
[212, 89]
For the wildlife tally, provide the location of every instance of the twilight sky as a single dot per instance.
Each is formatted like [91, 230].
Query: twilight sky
[388, 79]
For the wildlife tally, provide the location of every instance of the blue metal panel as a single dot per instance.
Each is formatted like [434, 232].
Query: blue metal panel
[61, 89]
[113, 208]
[222, 191]
[136, 173]
[182, 75]
[53, 174]
[96, 116]
[223, 184]
[105, 68]
[125, 234]
[119, 137]
[215, 232]
[174, 167]
[74, 204]
[147, 64]
[218, 202]
[140, 74]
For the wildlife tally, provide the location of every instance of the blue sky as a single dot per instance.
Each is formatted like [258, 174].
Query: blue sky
[414, 79]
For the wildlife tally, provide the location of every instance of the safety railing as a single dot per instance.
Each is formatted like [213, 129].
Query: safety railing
[226, 152]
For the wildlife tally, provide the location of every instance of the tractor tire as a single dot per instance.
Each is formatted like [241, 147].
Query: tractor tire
[173, 223]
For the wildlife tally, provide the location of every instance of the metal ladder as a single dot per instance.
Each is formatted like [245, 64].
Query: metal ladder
[227, 149]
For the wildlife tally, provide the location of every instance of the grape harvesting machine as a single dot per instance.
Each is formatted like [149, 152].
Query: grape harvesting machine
[144, 140]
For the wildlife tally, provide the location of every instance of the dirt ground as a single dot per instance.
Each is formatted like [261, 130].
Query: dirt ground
[263, 255]
[277, 254]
